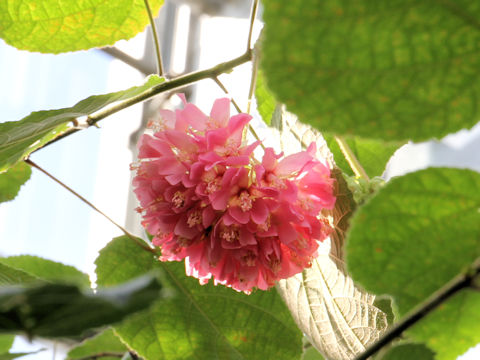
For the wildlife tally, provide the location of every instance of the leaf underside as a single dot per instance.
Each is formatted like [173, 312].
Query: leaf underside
[415, 235]
[392, 70]
[339, 319]
[19, 138]
[55, 26]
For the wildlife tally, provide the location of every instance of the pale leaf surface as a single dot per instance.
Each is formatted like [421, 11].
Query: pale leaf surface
[339, 318]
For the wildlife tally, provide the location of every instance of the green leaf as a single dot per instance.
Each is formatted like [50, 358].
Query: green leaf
[385, 304]
[12, 180]
[122, 260]
[265, 101]
[57, 310]
[415, 235]
[203, 322]
[19, 138]
[409, 352]
[394, 70]
[6, 342]
[46, 270]
[106, 342]
[312, 354]
[11, 276]
[55, 26]
[11, 356]
[372, 154]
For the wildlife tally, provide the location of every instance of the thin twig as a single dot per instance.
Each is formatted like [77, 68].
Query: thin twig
[351, 158]
[170, 85]
[250, 127]
[253, 81]
[156, 41]
[461, 282]
[220, 84]
[127, 59]
[253, 15]
[125, 231]
[158, 89]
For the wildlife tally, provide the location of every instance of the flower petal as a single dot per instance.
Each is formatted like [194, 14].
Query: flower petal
[220, 112]
[259, 212]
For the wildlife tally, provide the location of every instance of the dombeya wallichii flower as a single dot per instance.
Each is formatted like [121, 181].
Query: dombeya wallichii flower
[204, 197]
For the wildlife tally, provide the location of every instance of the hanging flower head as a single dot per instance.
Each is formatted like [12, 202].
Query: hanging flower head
[205, 198]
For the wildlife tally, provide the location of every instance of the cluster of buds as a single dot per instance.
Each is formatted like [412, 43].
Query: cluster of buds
[205, 198]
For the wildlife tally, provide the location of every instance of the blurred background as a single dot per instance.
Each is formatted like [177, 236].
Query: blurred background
[46, 220]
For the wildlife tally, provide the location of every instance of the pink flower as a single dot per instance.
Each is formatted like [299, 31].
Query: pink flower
[236, 220]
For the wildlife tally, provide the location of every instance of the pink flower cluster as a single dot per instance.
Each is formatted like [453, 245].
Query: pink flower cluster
[206, 199]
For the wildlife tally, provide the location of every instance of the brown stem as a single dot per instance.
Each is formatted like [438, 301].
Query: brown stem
[253, 81]
[170, 85]
[253, 15]
[158, 89]
[459, 283]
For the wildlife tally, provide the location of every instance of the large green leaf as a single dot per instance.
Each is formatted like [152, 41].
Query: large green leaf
[54, 26]
[106, 342]
[11, 356]
[200, 322]
[12, 180]
[372, 154]
[265, 100]
[122, 260]
[20, 138]
[409, 352]
[11, 276]
[311, 354]
[46, 270]
[415, 235]
[57, 310]
[399, 69]
[6, 342]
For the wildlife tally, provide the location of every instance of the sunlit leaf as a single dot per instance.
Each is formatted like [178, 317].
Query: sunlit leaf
[54, 26]
[312, 354]
[409, 352]
[12, 180]
[265, 101]
[20, 138]
[6, 342]
[373, 155]
[11, 276]
[399, 69]
[122, 260]
[204, 322]
[106, 342]
[46, 269]
[420, 231]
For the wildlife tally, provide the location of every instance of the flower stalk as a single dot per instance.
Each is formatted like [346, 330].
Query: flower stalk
[156, 41]
[352, 160]
[125, 231]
